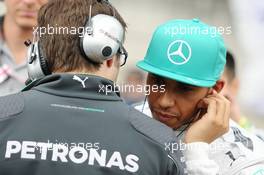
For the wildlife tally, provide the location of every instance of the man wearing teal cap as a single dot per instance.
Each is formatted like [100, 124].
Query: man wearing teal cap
[188, 58]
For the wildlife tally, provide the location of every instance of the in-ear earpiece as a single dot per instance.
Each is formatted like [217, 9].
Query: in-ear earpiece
[211, 91]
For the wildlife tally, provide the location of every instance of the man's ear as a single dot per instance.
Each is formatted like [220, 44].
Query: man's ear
[109, 63]
[219, 85]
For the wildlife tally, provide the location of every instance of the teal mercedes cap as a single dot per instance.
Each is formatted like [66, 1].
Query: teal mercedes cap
[187, 51]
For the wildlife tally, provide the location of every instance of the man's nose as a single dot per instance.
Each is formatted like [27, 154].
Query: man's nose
[166, 100]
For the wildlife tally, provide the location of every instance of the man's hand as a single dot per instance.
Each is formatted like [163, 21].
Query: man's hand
[214, 123]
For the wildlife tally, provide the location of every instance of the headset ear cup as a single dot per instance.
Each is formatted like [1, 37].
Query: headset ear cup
[36, 65]
[104, 41]
[107, 51]
[43, 62]
[86, 56]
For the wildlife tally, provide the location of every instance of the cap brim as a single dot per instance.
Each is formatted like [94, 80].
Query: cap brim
[184, 79]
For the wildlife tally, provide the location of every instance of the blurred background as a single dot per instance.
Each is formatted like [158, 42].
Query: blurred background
[246, 18]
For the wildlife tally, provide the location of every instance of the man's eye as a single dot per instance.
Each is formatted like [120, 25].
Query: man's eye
[186, 89]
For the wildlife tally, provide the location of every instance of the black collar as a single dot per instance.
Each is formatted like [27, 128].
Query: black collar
[78, 86]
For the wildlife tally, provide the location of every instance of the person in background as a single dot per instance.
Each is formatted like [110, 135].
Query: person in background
[134, 80]
[231, 90]
[16, 26]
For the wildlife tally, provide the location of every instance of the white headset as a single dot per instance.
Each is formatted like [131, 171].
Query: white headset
[102, 39]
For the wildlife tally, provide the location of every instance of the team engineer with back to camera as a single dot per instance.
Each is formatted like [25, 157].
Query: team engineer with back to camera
[61, 104]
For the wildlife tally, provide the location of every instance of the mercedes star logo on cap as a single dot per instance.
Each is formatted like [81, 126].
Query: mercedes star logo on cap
[179, 52]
